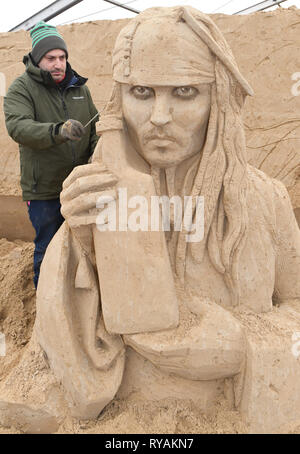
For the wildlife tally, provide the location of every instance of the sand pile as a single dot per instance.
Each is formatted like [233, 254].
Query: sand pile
[17, 299]
[169, 416]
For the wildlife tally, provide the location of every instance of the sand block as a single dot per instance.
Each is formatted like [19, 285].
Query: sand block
[271, 396]
[140, 296]
[27, 418]
[137, 286]
[137, 289]
[31, 399]
[15, 221]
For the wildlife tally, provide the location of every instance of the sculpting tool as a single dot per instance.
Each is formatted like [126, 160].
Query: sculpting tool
[91, 119]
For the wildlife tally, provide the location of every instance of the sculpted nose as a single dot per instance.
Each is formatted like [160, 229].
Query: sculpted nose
[161, 113]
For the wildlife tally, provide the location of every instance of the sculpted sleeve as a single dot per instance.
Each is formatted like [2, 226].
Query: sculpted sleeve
[83, 356]
[287, 277]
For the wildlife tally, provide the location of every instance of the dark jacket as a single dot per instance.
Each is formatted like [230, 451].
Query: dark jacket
[35, 107]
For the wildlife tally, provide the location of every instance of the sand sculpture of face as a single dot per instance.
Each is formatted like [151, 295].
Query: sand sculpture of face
[166, 73]
[166, 112]
[167, 124]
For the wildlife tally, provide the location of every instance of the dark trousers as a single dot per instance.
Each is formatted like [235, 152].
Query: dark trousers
[46, 219]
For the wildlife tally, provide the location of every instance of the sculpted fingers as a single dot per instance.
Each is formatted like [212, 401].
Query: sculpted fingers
[83, 171]
[81, 204]
[88, 184]
[92, 217]
[83, 209]
[85, 192]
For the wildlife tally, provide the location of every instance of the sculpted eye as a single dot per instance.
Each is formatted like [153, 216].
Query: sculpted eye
[185, 92]
[140, 92]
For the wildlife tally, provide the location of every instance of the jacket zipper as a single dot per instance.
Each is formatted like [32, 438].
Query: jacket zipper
[35, 175]
[67, 118]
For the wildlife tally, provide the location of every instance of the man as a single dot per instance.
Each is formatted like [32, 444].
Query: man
[45, 110]
[174, 117]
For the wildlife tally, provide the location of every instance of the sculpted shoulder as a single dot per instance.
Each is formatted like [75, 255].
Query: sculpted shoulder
[264, 187]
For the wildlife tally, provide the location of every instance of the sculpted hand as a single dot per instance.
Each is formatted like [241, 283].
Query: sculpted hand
[72, 129]
[81, 190]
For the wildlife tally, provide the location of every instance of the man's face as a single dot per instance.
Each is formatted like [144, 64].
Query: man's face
[167, 124]
[55, 62]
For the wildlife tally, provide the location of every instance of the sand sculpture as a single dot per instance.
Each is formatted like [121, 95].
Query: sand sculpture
[171, 128]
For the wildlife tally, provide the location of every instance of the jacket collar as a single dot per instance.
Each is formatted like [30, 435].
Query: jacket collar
[44, 77]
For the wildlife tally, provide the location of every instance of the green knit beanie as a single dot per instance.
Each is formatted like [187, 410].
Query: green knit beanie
[45, 37]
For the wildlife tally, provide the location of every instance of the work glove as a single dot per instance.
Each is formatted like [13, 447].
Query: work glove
[72, 129]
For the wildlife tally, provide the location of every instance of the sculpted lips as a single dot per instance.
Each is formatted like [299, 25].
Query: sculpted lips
[162, 138]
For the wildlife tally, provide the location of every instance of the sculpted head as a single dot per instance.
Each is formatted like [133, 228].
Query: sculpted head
[166, 72]
[166, 102]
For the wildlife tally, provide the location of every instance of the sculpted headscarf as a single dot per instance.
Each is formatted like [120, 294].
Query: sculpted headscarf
[192, 50]
[169, 37]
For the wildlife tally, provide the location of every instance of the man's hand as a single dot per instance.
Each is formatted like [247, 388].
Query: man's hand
[72, 129]
[81, 190]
